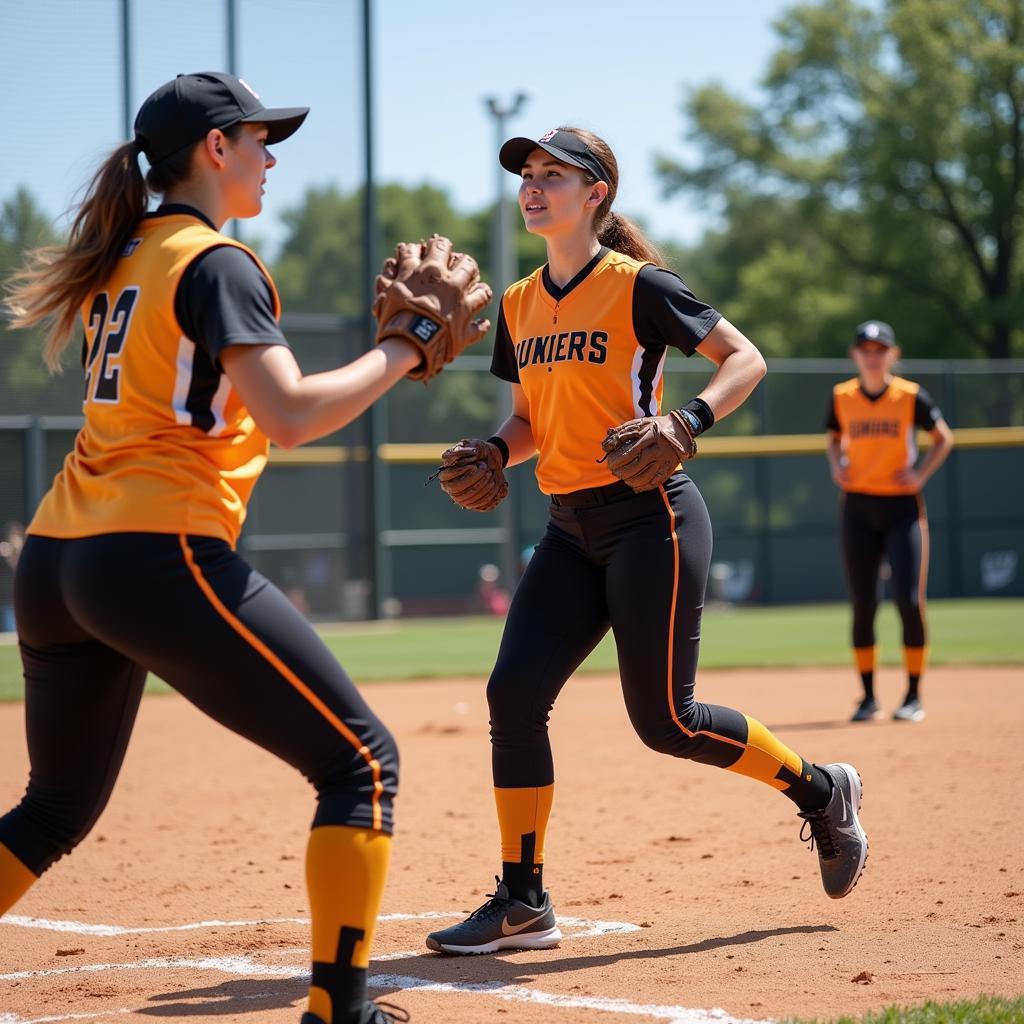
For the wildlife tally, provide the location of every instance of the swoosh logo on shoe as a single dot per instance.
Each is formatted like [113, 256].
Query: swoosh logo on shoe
[507, 928]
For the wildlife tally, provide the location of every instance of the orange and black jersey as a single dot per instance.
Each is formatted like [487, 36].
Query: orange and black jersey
[590, 356]
[877, 432]
[167, 445]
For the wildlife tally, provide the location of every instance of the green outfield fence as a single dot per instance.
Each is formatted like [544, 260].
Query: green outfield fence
[349, 536]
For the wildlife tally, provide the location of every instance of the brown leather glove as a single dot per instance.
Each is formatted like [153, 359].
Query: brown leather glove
[472, 475]
[645, 452]
[429, 295]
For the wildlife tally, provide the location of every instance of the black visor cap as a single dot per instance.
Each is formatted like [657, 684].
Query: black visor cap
[181, 112]
[564, 146]
[875, 330]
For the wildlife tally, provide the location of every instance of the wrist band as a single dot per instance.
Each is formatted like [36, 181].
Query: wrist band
[499, 443]
[698, 415]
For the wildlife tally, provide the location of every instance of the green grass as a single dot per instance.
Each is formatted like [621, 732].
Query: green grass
[986, 1010]
[974, 632]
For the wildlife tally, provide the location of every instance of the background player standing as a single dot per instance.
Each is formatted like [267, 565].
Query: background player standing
[582, 341]
[872, 421]
[130, 564]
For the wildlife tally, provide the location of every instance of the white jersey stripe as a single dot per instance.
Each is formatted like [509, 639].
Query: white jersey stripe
[183, 381]
[220, 400]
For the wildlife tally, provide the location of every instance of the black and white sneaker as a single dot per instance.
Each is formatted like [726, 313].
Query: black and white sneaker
[910, 711]
[501, 923]
[835, 830]
[372, 1013]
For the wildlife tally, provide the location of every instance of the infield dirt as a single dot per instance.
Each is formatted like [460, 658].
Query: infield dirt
[205, 827]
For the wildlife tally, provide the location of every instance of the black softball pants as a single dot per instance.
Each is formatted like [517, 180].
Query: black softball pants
[637, 563]
[95, 614]
[894, 527]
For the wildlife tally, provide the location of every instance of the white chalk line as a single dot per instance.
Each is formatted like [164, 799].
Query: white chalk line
[245, 965]
[582, 928]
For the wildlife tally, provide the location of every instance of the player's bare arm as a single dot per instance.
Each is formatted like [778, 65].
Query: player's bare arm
[516, 431]
[740, 367]
[292, 408]
[942, 445]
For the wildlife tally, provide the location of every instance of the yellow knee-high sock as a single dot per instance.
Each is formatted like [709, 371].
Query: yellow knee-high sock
[865, 658]
[915, 659]
[765, 756]
[345, 873]
[523, 818]
[767, 759]
[15, 879]
[522, 813]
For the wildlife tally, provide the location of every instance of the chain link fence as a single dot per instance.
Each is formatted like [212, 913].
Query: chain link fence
[350, 536]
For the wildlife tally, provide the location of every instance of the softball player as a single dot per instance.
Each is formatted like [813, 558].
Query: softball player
[582, 342]
[872, 420]
[130, 563]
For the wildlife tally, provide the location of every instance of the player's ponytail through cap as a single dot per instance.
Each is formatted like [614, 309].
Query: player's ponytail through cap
[55, 280]
[172, 122]
[614, 230]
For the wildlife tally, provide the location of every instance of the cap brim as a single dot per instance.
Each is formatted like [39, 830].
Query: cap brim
[514, 153]
[280, 121]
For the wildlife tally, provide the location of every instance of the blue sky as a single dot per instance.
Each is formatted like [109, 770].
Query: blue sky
[618, 68]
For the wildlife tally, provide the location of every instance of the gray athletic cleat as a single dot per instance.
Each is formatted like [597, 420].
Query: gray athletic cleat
[835, 830]
[909, 712]
[501, 923]
[867, 711]
[372, 1013]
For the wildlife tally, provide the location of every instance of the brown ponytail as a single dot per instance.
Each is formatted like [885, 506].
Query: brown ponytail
[54, 281]
[613, 230]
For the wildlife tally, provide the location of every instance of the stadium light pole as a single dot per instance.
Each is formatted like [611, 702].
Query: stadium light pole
[375, 481]
[232, 36]
[231, 39]
[503, 273]
[126, 68]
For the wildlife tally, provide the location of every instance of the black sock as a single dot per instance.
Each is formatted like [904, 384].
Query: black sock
[912, 684]
[524, 881]
[868, 682]
[812, 790]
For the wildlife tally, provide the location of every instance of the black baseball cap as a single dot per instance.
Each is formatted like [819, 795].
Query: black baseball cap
[875, 330]
[182, 111]
[564, 146]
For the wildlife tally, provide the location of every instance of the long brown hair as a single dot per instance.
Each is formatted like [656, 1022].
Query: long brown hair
[54, 281]
[614, 230]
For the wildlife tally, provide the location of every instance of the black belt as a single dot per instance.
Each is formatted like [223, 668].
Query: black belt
[592, 495]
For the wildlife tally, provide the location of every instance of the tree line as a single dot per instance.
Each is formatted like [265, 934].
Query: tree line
[879, 175]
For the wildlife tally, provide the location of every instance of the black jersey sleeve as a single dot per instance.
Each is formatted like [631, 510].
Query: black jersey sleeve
[503, 359]
[224, 299]
[831, 419]
[926, 412]
[666, 312]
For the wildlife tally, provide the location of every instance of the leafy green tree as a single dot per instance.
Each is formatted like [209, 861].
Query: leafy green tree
[320, 266]
[893, 136]
[25, 383]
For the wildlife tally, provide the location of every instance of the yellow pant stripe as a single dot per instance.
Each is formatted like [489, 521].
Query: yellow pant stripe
[257, 644]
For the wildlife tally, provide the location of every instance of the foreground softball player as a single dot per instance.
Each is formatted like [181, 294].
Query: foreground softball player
[582, 341]
[130, 564]
[872, 421]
